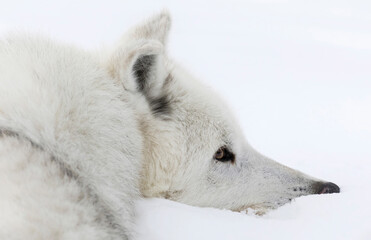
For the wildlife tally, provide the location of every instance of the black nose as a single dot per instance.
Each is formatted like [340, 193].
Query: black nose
[328, 187]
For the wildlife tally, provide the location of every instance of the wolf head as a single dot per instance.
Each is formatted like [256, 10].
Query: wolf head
[194, 151]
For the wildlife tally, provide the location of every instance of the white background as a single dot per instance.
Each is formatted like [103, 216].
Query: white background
[297, 74]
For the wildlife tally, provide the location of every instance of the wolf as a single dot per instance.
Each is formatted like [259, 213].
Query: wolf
[83, 135]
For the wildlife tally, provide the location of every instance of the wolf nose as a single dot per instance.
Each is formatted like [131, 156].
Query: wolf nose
[328, 187]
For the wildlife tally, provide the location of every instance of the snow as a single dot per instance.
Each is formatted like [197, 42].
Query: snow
[311, 217]
[297, 74]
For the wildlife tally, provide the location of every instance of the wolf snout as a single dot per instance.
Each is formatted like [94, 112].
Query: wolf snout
[328, 187]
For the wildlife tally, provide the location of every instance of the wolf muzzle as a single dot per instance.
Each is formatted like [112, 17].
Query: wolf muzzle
[328, 187]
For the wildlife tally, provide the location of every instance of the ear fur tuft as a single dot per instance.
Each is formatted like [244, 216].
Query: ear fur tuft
[155, 28]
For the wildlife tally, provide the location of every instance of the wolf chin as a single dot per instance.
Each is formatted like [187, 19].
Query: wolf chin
[83, 135]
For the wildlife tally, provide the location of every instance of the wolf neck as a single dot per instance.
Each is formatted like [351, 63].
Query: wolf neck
[160, 158]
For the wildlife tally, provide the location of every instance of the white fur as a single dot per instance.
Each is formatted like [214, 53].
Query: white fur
[86, 140]
[60, 98]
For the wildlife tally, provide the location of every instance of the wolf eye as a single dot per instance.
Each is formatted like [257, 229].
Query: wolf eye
[219, 154]
[224, 155]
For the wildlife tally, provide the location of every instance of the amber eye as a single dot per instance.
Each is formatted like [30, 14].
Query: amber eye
[219, 154]
[224, 155]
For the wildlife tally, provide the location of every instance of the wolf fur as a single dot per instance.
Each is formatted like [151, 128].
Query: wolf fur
[85, 134]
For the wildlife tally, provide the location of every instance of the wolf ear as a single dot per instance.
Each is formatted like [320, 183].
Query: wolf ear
[139, 60]
[155, 28]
